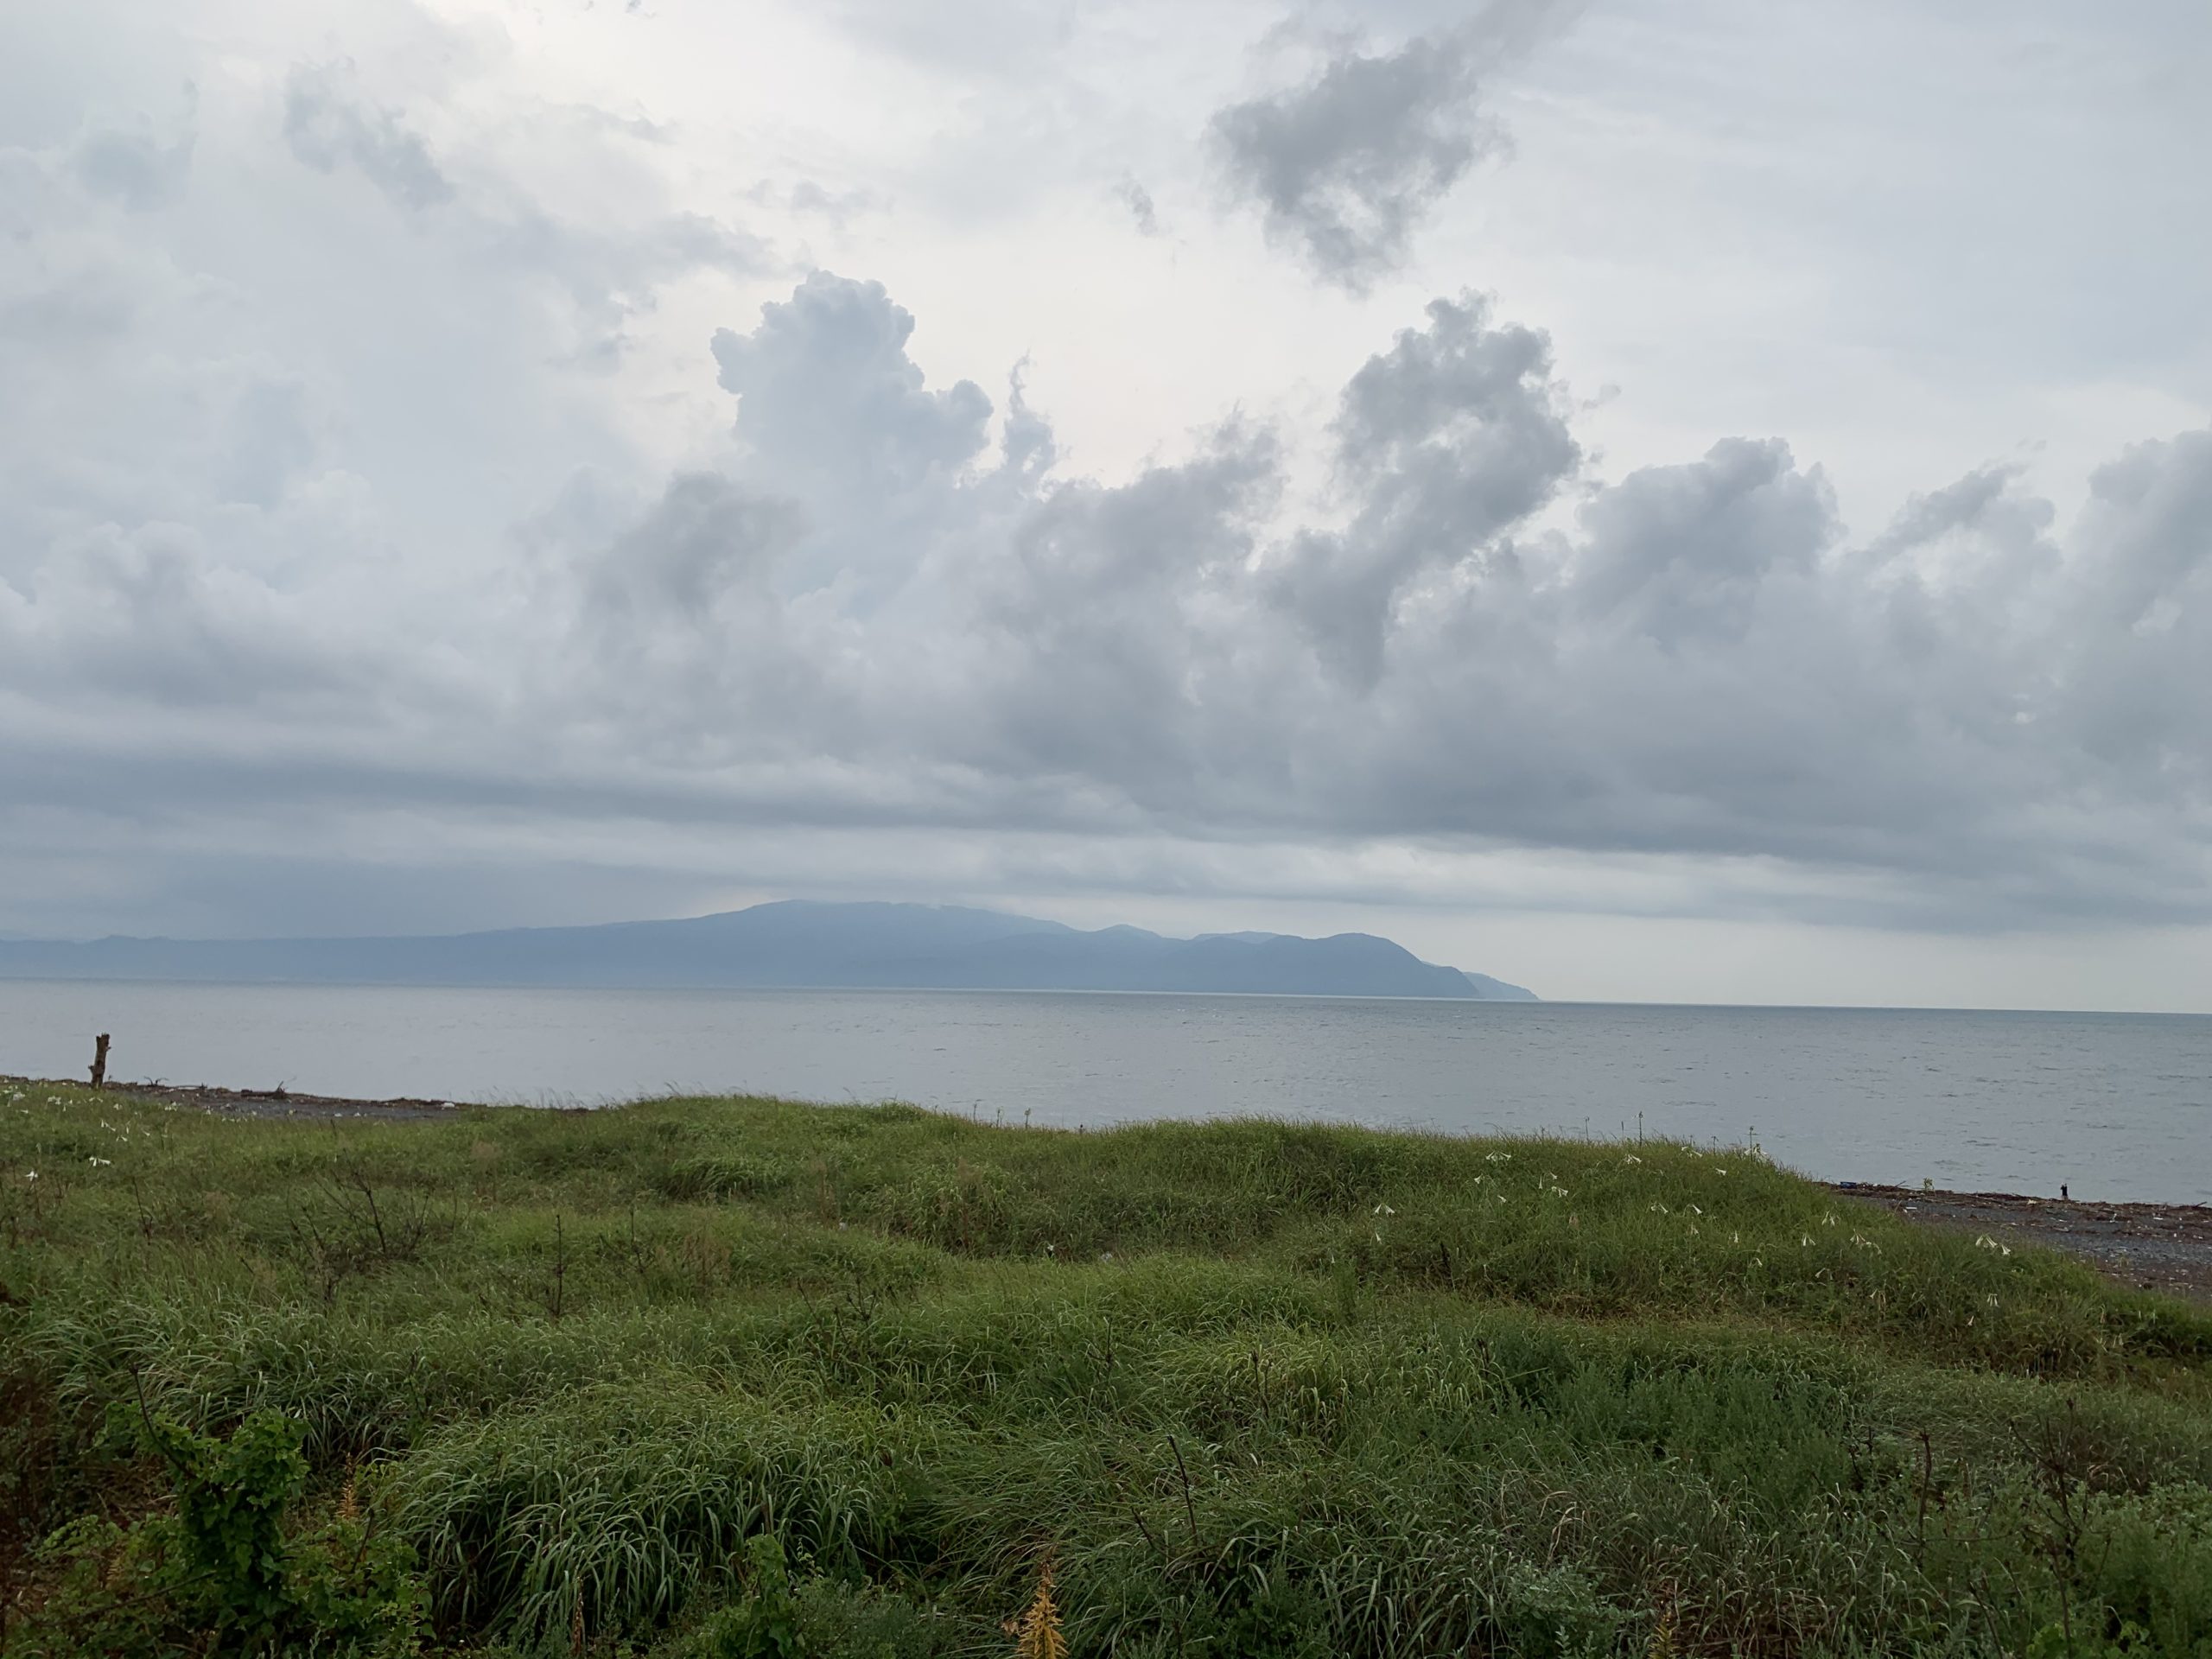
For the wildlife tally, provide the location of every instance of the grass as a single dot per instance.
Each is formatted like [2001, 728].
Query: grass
[1245, 1388]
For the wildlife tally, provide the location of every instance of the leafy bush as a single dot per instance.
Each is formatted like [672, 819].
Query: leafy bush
[765, 1624]
[226, 1568]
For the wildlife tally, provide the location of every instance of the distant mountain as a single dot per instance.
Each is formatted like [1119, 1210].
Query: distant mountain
[1497, 990]
[792, 944]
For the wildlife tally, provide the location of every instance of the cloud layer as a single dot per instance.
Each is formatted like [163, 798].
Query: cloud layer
[357, 544]
[871, 612]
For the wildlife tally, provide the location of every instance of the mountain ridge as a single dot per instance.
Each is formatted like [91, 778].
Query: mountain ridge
[790, 944]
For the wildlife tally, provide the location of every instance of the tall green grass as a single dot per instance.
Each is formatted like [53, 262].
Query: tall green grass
[1247, 1388]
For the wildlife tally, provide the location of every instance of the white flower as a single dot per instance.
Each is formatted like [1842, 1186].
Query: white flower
[1632, 1159]
[31, 1174]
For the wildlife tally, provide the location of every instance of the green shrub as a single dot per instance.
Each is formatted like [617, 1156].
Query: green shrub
[228, 1567]
[764, 1624]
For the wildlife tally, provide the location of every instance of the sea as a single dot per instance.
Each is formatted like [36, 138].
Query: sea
[2114, 1106]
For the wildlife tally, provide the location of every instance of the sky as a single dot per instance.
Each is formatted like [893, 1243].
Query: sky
[1665, 500]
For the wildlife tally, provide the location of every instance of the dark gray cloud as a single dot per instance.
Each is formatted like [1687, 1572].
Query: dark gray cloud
[1345, 166]
[329, 124]
[1143, 212]
[870, 613]
[137, 168]
[678, 621]
[153, 616]
[883, 602]
[1959, 721]
[376, 521]
[1451, 438]
[704, 541]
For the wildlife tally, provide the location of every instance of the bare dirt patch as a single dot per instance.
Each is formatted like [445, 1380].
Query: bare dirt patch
[258, 1103]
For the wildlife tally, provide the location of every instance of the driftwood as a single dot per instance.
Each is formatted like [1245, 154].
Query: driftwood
[99, 1060]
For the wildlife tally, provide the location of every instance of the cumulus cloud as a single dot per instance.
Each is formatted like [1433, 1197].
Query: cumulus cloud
[329, 124]
[352, 556]
[1454, 435]
[1697, 663]
[137, 168]
[825, 389]
[1345, 166]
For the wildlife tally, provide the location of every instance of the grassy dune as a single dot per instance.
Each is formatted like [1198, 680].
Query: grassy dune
[534, 1383]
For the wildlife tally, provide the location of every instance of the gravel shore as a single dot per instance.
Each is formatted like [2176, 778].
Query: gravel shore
[2164, 1247]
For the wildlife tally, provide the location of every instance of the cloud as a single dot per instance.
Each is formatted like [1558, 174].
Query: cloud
[869, 613]
[1451, 438]
[678, 622]
[825, 387]
[152, 619]
[1142, 212]
[1698, 665]
[407, 502]
[136, 169]
[1345, 166]
[329, 124]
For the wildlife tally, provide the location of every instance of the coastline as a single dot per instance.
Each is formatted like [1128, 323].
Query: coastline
[2161, 1247]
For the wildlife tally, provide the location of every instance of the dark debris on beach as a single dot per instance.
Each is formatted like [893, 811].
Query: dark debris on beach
[2165, 1247]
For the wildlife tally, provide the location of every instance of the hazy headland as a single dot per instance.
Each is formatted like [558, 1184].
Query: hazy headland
[791, 943]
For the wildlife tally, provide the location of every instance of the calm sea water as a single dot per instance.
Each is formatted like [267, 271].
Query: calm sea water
[2119, 1106]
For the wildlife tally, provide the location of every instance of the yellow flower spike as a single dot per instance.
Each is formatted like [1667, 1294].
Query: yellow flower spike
[1037, 1633]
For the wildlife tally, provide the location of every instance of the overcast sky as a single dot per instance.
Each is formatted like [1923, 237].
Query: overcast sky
[1685, 500]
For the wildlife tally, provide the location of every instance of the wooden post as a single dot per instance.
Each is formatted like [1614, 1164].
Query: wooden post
[99, 1060]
